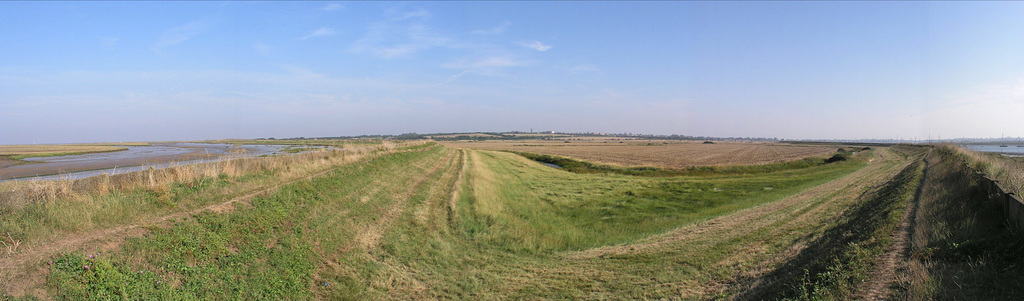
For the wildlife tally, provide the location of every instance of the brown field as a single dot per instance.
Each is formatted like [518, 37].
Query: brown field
[657, 153]
[24, 151]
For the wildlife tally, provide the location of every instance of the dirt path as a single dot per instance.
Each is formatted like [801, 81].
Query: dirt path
[21, 273]
[454, 199]
[370, 237]
[881, 279]
[791, 222]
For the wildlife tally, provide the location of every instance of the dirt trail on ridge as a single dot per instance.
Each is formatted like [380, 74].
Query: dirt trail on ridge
[880, 280]
[752, 218]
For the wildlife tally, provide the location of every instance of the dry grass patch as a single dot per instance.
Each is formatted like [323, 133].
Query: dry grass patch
[961, 246]
[1009, 171]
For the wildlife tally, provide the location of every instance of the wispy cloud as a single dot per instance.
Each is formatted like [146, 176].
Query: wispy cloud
[419, 13]
[494, 30]
[537, 45]
[491, 65]
[332, 7]
[177, 35]
[401, 36]
[323, 31]
[488, 62]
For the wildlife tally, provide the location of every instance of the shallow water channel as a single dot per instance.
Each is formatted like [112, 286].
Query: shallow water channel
[1010, 150]
[549, 164]
[135, 158]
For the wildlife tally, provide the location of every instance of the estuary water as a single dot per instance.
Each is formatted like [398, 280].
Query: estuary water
[1010, 150]
[135, 158]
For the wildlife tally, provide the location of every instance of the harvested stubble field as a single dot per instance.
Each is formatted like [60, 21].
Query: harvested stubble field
[658, 153]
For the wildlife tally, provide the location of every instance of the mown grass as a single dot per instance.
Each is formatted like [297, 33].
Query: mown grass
[386, 228]
[263, 251]
[40, 210]
[840, 259]
[255, 253]
[534, 207]
[583, 167]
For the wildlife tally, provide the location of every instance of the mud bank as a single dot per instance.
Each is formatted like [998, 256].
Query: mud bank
[134, 158]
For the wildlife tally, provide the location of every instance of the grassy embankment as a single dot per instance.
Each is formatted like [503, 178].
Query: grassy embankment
[395, 227]
[676, 155]
[583, 167]
[564, 215]
[962, 248]
[40, 211]
[842, 257]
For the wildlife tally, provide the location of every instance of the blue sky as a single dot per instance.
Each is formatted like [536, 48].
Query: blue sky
[150, 71]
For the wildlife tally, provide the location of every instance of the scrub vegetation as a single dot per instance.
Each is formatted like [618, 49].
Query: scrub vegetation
[427, 221]
[1009, 171]
[962, 247]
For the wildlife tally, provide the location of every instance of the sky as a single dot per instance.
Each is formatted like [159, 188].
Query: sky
[156, 71]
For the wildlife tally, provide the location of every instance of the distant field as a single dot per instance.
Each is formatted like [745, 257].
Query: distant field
[26, 151]
[658, 153]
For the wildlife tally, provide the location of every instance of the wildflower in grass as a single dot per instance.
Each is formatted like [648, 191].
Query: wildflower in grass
[86, 267]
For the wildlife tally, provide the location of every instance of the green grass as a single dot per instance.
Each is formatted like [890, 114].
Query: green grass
[583, 167]
[384, 229]
[98, 211]
[545, 209]
[265, 251]
[836, 262]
